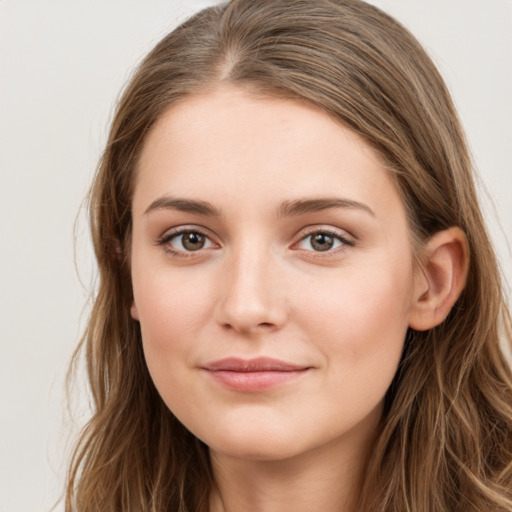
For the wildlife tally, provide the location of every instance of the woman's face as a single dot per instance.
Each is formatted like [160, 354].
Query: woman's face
[272, 274]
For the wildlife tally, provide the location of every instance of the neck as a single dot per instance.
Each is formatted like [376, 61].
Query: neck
[327, 478]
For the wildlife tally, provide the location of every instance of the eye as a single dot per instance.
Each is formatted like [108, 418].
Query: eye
[322, 241]
[184, 241]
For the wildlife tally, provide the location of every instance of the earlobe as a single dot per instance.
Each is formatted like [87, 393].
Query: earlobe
[441, 279]
[134, 311]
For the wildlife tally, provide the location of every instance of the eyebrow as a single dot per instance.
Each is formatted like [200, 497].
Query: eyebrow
[286, 209]
[183, 205]
[303, 206]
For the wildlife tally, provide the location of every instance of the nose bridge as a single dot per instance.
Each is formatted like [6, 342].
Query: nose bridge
[250, 297]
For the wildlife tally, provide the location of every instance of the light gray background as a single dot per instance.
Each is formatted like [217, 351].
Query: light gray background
[62, 64]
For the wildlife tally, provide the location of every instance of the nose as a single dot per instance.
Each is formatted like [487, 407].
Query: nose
[251, 294]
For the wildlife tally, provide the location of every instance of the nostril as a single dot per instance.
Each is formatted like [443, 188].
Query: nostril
[247, 328]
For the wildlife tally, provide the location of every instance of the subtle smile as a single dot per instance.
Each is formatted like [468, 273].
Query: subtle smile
[253, 375]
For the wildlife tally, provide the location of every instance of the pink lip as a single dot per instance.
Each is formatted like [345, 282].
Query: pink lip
[253, 375]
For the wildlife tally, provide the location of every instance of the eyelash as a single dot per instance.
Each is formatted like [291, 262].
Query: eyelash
[344, 241]
[165, 240]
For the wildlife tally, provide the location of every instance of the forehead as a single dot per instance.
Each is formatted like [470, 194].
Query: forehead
[227, 144]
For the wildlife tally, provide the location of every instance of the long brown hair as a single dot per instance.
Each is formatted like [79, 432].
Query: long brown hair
[445, 442]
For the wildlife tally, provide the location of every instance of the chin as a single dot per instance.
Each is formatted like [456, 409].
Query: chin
[254, 442]
[262, 449]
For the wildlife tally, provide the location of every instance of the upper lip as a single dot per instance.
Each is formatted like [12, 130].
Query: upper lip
[259, 364]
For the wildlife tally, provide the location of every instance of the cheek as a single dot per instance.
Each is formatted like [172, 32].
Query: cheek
[364, 320]
[370, 298]
[172, 312]
[172, 307]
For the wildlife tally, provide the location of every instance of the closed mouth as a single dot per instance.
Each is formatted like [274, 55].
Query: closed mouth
[253, 375]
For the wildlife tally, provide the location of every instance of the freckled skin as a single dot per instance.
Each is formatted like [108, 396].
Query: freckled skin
[258, 287]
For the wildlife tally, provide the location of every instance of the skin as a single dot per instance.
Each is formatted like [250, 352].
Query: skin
[258, 287]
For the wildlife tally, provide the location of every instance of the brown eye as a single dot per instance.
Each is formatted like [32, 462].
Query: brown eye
[186, 241]
[193, 241]
[322, 242]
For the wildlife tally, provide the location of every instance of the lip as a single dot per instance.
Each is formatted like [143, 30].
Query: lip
[253, 375]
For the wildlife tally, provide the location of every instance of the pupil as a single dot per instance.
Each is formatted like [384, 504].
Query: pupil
[322, 242]
[193, 241]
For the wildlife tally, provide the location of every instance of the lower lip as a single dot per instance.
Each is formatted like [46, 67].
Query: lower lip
[252, 382]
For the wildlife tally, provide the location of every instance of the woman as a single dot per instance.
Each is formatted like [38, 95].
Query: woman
[299, 307]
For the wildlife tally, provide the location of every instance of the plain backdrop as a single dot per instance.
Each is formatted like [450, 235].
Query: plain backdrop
[62, 65]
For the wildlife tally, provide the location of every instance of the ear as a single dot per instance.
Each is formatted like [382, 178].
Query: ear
[134, 311]
[440, 280]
